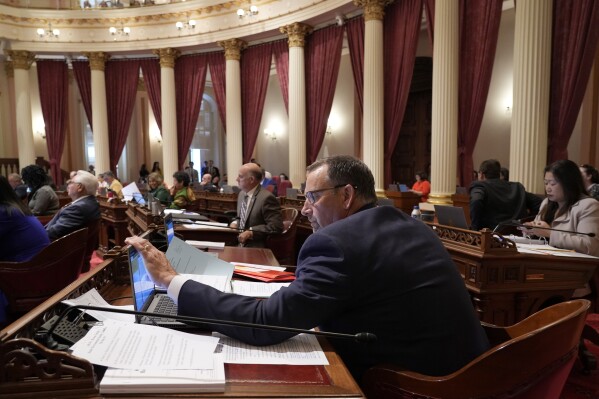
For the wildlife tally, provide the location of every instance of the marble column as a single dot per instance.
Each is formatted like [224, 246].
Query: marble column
[532, 74]
[374, 94]
[9, 140]
[233, 49]
[296, 34]
[21, 61]
[97, 63]
[444, 124]
[168, 104]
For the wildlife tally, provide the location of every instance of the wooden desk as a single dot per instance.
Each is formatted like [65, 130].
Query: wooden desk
[59, 375]
[113, 225]
[507, 286]
[404, 201]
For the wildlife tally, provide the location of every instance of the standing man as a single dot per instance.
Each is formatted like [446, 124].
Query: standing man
[193, 174]
[493, 200]
[83, 209]
[365, 269]
[258, 211]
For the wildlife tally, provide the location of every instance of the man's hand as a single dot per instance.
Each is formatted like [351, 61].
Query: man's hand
[245, 236]
[157, 265]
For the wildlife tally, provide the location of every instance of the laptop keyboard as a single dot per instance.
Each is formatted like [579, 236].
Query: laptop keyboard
[164, 304]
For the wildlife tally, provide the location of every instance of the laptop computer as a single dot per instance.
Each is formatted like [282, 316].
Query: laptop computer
[169, 227]
[451, 216]
[403, 188]
[393, 187]
[291, 193]
[137, 197]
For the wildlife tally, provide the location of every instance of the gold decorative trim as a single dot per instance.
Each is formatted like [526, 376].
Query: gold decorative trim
[440, 199]
[232, 48]
[296, 32]
[97, 60]
[373, 9]
[21, 59]
[167, 56]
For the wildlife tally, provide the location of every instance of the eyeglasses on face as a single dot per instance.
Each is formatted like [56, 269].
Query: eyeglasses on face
[312, 196]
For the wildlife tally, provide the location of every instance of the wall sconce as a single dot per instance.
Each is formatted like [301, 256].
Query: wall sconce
[120, 31]
[271, 134]
[50, 33]
[329, 130]
[190, 24]
[253, 10]
[42, 134]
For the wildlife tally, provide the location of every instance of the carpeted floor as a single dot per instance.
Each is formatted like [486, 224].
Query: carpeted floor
[580, 386]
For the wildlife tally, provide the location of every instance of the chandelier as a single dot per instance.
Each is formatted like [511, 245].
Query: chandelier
[253, 10]
[120, 31]
[50, 33]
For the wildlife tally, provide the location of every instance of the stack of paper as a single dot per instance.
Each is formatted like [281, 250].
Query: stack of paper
[263, 274]
[206, 244]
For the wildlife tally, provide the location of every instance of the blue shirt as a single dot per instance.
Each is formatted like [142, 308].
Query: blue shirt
[21, 237]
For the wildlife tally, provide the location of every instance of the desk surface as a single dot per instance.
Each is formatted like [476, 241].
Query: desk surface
[261, 381]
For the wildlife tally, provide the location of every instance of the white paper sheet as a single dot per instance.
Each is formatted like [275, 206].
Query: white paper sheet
[263, 267]
[137, 346]
[302, 349]
[206, 244]
[549, 250]
[93, 298]
[218, 282]
[256, 289]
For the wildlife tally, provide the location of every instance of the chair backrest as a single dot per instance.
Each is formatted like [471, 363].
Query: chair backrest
[27, 284]
[533, 361]
[283, 245]
[282, 187]
[93, 237]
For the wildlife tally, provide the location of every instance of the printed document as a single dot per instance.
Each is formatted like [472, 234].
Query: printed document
[93, 298]
[256, 289]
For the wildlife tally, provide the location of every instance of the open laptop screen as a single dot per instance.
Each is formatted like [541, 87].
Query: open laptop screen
[141, 282]
[170, 227]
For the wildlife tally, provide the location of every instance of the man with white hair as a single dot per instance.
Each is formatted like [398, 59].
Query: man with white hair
[83, 209]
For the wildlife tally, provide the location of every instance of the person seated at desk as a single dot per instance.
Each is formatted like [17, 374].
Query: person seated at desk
[493, 201]
[364, 269]
[206, 183]
[15, 181]
[567, 207]
[42, 198]
[83, 209]
[182, 194]
[22, 236]
[157, 189]
[114, 184]
[422, 186]
[258, 211]
[590, 176]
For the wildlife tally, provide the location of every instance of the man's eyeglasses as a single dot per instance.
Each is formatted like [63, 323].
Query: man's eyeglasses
[312, 198]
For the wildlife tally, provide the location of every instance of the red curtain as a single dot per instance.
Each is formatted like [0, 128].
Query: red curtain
[53, 83]
[280, 49]
[122, 77]
[190, 78]
[323, 56]
[150, 68]
[355, 40]
[218, 75]
[479, 30]
[83, 76]
[255, 73]
[575, 35]
[401, 27]
[429, 9]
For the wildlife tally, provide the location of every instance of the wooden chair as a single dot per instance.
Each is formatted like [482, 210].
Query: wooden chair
[530, 359]
[283, 245]
[91, 244]
[27, 284]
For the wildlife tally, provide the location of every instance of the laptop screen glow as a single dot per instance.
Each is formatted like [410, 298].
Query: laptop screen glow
[170, 227]
[140, 279]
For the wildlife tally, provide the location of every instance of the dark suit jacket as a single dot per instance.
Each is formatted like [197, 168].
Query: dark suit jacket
[263, 215]
[376, 271]
[74, 216]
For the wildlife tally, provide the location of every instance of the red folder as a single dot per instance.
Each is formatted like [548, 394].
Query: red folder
[267, 276]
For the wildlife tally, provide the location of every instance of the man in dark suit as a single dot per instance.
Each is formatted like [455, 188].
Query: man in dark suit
[365, 269]
[258, 211]
[83, 209]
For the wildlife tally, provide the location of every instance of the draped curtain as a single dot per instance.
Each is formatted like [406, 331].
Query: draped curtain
[53, 87]
[218, 75]
[150, 69]
[429, 10]
[355, 40]
[575, 35]
[323, 56]
[479, 31]
[255, 73]
[83, 76]
[122, 77]
[401, 27]
[190, 78]
[280, 49]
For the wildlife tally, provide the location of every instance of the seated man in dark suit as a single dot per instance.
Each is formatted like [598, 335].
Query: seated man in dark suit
[258, 211]
[17, 184]
[493, 200]
[81, 211]
[366, 268]
[206, 183]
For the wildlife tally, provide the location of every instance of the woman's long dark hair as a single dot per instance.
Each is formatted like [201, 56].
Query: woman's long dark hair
[9, 199]
[567, 174]
[591, 171]
[35, 177]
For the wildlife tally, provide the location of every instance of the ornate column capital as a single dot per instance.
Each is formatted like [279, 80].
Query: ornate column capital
[97, 60]
[373, 9]
[21, 59]
[232, 48]
[9, 69]
[296, 33]
[167, 56]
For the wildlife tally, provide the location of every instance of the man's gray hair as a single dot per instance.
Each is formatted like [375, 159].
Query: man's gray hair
[87, 180]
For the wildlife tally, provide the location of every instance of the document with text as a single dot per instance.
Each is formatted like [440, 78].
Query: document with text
[256, 289]
[93, 298]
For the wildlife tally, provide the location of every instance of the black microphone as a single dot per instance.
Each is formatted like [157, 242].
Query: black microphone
[363, 337]
[517, 223]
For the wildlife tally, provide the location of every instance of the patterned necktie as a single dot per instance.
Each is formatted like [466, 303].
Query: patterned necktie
[243, 213]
